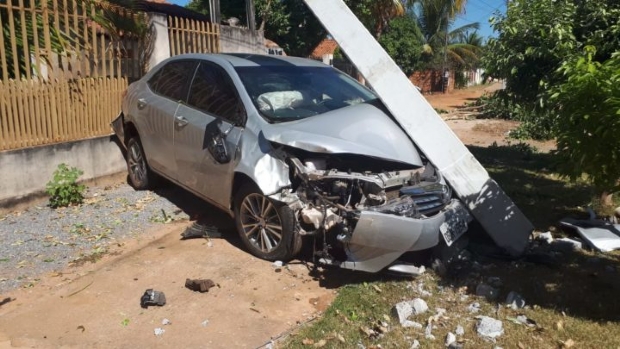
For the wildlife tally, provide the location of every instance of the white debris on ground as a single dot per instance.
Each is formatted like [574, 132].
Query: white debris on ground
[159, 331]
[459, 330]
[489, 328]
[422, 291]
[566, 245]
[204, 323]
[166, 322]
[428, 332]
[450, 339]
[415, 344]
[405, 309]
[277, 266]
[545, 237]
[474, 308]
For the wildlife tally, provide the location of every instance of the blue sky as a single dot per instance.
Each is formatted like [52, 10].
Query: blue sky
[475, 11]
[480, 11]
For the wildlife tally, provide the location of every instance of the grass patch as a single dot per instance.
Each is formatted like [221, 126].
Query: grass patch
[570, 295]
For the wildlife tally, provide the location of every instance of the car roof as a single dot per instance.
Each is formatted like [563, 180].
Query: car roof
[254, 60]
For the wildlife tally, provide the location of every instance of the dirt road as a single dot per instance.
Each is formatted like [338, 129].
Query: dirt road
[97, 305]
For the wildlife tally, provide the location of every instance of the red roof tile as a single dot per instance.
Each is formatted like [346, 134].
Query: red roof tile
[325, 47]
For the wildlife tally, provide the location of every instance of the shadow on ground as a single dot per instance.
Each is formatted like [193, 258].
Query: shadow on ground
[581, 283]
[206, 214]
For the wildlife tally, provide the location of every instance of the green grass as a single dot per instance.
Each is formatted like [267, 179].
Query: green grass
[573, 296]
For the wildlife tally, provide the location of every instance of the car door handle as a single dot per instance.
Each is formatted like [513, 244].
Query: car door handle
[180, 121]
[141, 103]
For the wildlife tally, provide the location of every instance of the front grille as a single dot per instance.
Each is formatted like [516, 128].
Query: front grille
[429, 198]
[428, 204]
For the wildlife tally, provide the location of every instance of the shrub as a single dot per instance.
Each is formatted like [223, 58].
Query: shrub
[63, 189]
[589, 113]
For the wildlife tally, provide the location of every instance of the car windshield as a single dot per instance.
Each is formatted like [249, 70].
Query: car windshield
[285, 93]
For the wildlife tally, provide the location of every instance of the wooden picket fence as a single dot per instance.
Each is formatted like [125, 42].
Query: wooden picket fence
[37, 112]
[62, 74]
[192, 36]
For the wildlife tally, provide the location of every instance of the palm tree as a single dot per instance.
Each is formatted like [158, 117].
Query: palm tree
[435, 18]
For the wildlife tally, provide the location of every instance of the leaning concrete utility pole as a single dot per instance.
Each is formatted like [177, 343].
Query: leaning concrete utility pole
[488, 203]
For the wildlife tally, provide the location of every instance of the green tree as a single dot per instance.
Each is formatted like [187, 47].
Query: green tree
[534, 39]
[402, 40]
[589, 113]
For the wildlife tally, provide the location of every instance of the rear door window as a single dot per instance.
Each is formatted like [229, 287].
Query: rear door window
[172, 80]
[213, 92]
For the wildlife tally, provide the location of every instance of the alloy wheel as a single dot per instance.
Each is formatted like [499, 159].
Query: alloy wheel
[261, 222]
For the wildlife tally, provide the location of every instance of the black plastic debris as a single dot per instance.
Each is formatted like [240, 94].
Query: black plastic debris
[152, 297]
[199, 285]
[198, 230]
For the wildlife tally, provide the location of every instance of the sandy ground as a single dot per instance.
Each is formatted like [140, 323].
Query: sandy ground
[97, 305]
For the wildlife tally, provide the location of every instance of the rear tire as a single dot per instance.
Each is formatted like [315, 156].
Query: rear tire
[266, 227]
[140, 175]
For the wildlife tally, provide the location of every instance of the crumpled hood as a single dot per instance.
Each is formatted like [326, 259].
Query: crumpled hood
[362, 129]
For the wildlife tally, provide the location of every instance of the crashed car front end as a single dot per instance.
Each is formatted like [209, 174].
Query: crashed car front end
[366, 217]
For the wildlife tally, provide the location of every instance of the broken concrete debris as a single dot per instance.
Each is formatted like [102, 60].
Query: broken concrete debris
[450, 339]
[515, 301]
[428, 332]
[166, 322]
[422, 291]
[277, 266]
[199, 285]
[152, 297]
[415, 344]
[403, 310]
[489, 328]
[487, 291]
[545, 237]
[474, 308]
[459, 330]
[159, 331]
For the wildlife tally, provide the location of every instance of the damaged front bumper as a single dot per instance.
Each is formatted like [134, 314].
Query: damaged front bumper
[368, 220]
[379, 239]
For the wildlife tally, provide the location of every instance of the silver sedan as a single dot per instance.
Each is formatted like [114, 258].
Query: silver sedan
[290, 148]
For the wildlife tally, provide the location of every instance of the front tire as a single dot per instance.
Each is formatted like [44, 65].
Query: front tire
[140, 175]
[266, 227]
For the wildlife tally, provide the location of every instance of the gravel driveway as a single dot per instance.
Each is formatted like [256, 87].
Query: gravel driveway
[41, 240]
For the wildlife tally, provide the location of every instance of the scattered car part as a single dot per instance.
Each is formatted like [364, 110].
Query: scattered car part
[152, 297]
[599, 234]
[199, 285]
[199, 230]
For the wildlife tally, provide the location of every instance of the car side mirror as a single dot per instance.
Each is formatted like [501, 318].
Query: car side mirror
[217, 148]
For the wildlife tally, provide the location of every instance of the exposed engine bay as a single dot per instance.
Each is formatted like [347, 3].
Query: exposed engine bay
[331, 195]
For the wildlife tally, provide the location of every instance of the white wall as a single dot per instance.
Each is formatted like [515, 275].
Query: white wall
[25, 172]
[241, 40]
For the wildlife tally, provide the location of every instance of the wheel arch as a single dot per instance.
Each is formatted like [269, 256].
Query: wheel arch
[239, 179]
[130, 131]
